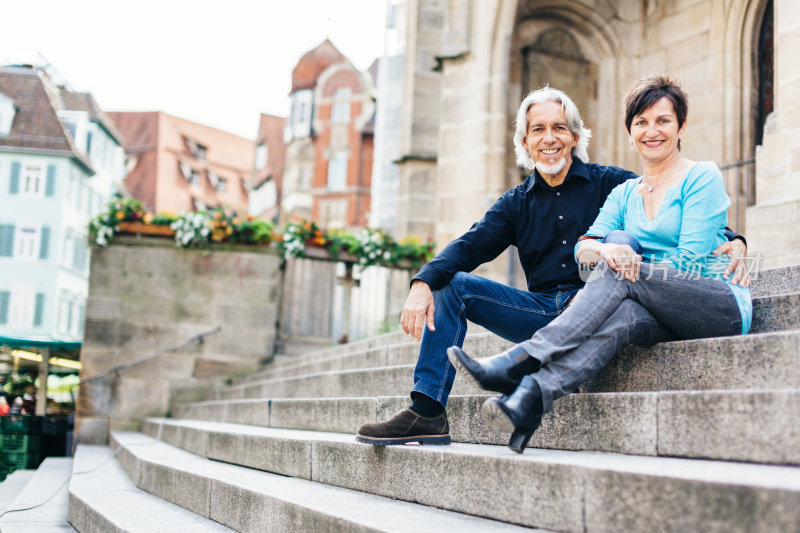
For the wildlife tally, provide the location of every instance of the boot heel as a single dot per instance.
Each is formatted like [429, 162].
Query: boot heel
[519, 440]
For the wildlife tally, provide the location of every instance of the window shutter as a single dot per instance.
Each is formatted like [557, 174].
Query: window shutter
[15, 169]
[6, 240]
[39, 309]
[44, 248]
[50, 187]
[5, 296]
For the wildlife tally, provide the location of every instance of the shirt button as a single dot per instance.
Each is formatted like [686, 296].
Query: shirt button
[558, 194]
[563, 242]
[563, 266]
[560, 217]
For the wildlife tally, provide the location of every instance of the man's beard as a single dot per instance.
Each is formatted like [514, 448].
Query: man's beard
[551, 170]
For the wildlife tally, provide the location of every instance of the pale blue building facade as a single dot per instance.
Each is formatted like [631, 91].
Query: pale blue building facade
[61, 160]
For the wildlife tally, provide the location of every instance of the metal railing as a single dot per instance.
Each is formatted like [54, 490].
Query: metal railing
[200, 337]
[740, 183]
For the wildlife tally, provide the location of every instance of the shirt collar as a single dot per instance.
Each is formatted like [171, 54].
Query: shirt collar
[578, 169]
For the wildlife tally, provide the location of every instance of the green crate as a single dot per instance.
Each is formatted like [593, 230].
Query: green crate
[21, 460]
[21, 425]
[20, 443]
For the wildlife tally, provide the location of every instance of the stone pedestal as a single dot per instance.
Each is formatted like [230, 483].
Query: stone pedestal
[145, 295]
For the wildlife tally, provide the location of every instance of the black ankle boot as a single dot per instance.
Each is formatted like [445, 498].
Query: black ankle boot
[500, 373]
[519, 414]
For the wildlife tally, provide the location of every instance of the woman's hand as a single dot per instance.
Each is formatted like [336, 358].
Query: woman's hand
[737, 252]
[621, 258]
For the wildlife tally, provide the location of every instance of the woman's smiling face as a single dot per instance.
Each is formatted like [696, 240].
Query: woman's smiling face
[655, 131]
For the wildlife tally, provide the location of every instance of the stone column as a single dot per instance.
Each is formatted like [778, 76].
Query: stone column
[416, 208]
[772, 223]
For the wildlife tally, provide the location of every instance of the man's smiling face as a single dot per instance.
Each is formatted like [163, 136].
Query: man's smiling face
[549, 140]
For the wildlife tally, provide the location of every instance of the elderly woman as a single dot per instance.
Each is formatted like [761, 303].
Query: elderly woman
[673, 216]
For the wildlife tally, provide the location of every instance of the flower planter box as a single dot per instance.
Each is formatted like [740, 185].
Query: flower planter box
[140, 228]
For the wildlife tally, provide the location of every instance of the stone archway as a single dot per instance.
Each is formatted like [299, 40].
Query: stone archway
[570, 47]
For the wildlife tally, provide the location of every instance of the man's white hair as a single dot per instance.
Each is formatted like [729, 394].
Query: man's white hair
[571, 114]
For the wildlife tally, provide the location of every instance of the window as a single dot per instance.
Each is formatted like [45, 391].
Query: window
[63, 314]
[261, 156]
[7, 240]
[5, 297]
[27, 241]
[222, 185]
[340, 111]
[38, 310]
[33, 180]
[76, 320]
[69, 248]
[305, 181]
[79, 255]
[7, 112]
[74, 189]
[337, 172]
[23, 303]
[194, 177]
[200, 152]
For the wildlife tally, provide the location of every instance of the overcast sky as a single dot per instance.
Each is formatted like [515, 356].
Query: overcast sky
[218, 62]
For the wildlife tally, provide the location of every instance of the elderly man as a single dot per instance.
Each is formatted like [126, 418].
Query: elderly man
[543, 217]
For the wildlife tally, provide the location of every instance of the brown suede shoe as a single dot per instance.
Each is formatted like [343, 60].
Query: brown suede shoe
[407, 426]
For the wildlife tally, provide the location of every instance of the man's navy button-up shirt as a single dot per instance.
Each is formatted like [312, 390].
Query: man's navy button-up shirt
[543, 222]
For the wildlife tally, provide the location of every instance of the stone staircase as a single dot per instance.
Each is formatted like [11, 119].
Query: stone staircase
[686, 436]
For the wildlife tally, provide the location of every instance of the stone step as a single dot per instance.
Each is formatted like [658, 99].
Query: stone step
[552, 489]
[249, 500]
[45, 500]
[770, 313]
[764, 361]
[781, 280]
[739, 425]
[340, 349]
[12, 486]
[103, 498]
[403, 353]
[757, 361]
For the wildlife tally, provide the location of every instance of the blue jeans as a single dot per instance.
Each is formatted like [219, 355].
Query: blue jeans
[610, 313]
[510, 313]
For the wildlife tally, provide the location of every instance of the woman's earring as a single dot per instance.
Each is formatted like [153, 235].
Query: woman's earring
[632, 145]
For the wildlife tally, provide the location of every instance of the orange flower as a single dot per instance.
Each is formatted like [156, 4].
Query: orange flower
[120, 215]
[148, 218]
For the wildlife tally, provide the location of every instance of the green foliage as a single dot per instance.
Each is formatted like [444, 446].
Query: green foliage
[221, 225]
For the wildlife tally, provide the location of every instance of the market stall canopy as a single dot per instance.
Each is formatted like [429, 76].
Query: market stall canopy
[40, 341]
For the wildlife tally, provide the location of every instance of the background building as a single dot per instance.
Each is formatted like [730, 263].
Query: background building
[266, 185]
[329, 140]
[177, 165]
[61, 160]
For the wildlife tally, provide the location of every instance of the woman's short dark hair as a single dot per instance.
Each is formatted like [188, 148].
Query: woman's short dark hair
[650, 90]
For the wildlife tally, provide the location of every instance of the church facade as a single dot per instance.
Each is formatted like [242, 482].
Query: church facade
[469, 63]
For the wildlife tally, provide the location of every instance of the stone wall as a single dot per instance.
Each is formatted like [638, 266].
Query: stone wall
[144, 295]
[772, 223]
[493, 51]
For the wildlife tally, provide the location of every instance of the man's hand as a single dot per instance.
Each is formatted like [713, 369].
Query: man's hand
[737, 251]
[418, 310]
[621, 258]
